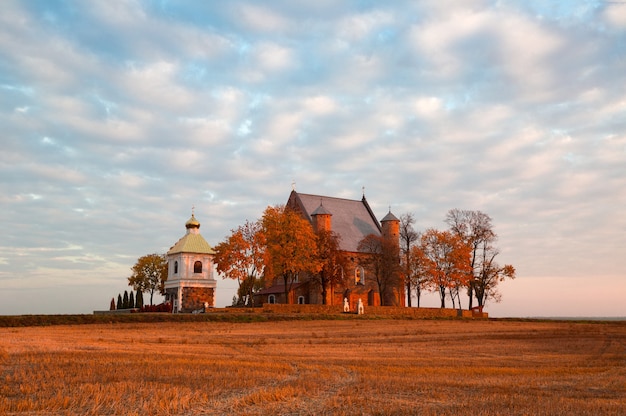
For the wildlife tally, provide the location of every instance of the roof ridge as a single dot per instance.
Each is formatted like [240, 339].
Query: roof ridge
[329, 197]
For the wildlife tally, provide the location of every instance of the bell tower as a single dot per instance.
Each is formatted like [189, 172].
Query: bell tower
[191, 283]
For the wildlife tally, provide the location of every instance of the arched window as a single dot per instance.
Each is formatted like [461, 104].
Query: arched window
[175, 267]
[197, 267]
[271, 299]
[300, 300]
[359, 276]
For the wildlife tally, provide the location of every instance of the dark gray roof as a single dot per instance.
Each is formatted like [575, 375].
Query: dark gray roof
[321, 210]
[389, 217]
[353, 220]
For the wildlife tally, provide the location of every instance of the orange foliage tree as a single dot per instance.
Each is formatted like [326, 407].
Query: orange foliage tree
[291, 246]
[332, 263]
[475, 228]
[149, 274]
[242, 257]
[418, 271]
[447, 262]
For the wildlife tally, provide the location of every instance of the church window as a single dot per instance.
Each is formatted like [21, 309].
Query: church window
[359, 276]
[175, 267]
[300, 300]
[197, 267]
[271, 299]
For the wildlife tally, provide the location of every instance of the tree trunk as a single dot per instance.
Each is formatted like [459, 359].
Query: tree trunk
[442, 295]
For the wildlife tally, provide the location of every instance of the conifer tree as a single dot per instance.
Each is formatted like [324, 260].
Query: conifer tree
[125, 301]
[112, 307]
[131, 300]
[119, 301]
[139, 300]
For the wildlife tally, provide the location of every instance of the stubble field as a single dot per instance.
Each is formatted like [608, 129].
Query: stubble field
[315, 367]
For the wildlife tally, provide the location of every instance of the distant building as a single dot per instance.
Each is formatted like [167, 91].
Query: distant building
[190, 284]
[352, 220]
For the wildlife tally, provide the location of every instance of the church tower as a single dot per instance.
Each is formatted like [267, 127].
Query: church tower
[191, 283]
[391, 227]
[321, 219]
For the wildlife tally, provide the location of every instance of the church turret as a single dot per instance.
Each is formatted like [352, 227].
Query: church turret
[192, 225]
[391, 227]
[321, 218]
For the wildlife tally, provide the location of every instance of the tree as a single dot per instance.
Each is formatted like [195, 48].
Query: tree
[119, 301]
[476, 229]
[112, 305]
[125, 301]
[149, 274]
[131, 300]
[408, 237]
[242, 257]
[139, 300]
[332, 263]
[447, 262]
[291, 246]
[418, 271]
[382, 259]
[490, 275]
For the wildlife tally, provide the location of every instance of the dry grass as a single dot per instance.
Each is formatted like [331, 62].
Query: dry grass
[351, 367]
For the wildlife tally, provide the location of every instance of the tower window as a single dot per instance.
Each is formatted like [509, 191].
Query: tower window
[197, 267]
[176, 267]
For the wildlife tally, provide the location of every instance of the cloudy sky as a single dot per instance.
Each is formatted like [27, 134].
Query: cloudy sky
[116, 117]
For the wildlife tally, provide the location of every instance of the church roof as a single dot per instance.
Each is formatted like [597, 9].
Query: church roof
[321, 210]
[191, 243]
[389, 217]
[352, 220]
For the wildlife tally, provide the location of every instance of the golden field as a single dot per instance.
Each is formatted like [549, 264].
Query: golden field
[315, 367]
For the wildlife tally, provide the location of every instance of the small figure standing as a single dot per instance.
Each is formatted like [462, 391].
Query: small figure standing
[360, 309]
[346, 305]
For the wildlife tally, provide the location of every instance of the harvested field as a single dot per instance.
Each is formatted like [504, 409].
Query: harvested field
[316, 367]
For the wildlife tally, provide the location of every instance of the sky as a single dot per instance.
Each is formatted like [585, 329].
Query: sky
[118, 117]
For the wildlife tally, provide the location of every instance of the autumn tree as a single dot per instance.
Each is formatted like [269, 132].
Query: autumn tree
[241, 257]
[490, 274]
[382, 259]
[447, 264]
[291, 246]
[112, 305]
[149, 274]
[476, 229]
[332, 263]
[408, 237]
[418, 271]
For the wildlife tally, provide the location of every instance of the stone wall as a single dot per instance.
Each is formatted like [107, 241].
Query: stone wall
[195, 297]
[369, 310]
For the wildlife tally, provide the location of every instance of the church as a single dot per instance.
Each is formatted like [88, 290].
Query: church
[352, 221]
[191, 283]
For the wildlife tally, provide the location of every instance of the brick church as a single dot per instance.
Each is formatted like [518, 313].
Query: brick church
[352, 220]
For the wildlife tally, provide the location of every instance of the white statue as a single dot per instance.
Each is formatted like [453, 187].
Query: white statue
[359, 307]
[346, 305]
